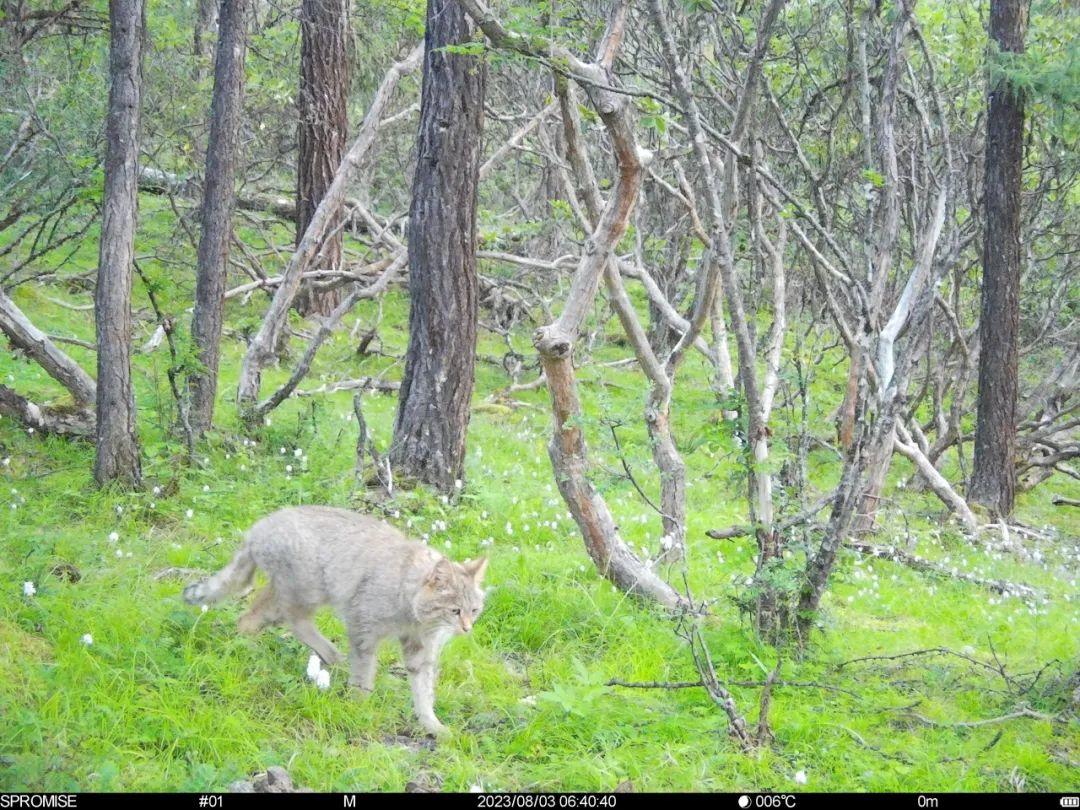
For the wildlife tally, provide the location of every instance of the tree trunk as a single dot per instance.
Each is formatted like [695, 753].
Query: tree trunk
[324, 124]
[206, 19]
[117, 456]
[993, 482]
[433, 406]
[219, 199]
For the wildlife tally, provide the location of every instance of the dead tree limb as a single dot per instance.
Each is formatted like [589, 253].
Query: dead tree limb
[75, 422]
[929, 567]
[261, 349]
[555, 342]
[325, 330]
[36, 345]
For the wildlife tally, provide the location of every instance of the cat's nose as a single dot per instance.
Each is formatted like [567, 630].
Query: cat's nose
[466, 623]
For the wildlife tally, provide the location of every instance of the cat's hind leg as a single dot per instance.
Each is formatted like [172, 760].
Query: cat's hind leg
[264, 611]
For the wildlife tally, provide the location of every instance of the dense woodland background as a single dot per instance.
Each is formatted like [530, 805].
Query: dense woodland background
[742, 337]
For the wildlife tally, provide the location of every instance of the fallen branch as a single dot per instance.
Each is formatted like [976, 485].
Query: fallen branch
[78, 422]
[748, 684]
[919, 653]
[926, 566]
[1017, 715]
[157, 181]
[361, 384]
[362, 274]
[325, 330]
[38, 347]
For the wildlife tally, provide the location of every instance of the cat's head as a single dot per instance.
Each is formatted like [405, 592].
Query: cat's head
[451, 595]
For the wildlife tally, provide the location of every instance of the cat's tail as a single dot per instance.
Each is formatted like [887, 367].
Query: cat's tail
[234, 576]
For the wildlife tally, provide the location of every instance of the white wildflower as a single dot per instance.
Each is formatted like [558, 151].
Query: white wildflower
[297, 453]
[314, 667]
[114, 536]
[322, 680]
[800, 777]
[190, 513]
[28, 589]
[87, 639]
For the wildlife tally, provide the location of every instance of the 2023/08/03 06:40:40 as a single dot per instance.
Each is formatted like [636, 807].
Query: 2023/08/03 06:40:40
[543, 801]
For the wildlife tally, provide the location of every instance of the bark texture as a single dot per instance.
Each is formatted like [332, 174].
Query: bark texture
[324, 124]
[433, 408]
[219, 200]
[993, 482]
[117, 458]
[206, 19]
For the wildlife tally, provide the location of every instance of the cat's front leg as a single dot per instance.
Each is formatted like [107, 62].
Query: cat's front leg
[423, 689]
[420, 662]
[363, 658]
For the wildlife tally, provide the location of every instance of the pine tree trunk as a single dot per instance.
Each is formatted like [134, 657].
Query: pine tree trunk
[117, 458]
[206, 20]
[219, 199]
[433, 405]
[993, 482]
[324, 90]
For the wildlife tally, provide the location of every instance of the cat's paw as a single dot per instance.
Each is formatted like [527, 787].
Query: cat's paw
[435, 728]
[248, 624]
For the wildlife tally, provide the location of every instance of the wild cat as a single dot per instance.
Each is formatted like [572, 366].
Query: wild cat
[381, 583]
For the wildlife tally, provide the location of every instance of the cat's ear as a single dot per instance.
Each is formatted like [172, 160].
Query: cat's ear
[441, 575]
[475, 568]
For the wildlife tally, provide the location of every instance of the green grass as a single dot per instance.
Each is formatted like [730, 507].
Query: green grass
[167, 697]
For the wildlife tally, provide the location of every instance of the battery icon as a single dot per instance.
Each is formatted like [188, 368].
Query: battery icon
[1070, 801]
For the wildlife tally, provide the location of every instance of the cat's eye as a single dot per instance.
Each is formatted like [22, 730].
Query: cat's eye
[457, 611]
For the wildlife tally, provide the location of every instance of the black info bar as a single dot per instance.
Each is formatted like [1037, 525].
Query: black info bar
[529, 801]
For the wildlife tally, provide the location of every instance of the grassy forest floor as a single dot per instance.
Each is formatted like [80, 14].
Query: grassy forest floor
[168, 698]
